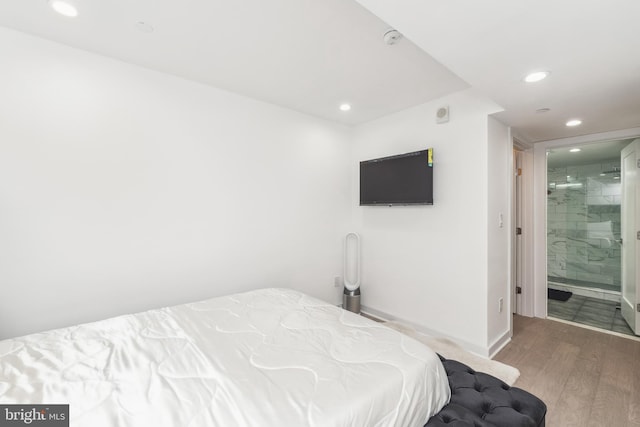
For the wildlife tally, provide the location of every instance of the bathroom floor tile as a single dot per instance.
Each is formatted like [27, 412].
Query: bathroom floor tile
[590, 311]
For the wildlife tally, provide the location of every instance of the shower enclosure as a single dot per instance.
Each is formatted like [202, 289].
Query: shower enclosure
[583, 225]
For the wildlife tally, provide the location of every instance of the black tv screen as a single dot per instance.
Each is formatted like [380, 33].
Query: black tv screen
[405, 179]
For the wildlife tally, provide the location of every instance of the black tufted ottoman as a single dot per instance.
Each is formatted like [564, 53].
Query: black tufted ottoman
[481, 400]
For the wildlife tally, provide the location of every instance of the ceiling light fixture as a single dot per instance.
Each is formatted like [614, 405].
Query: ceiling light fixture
[345, 107]
[543, 110]
[64, 7]
[574, 150]
[574, 122]
[536, 76]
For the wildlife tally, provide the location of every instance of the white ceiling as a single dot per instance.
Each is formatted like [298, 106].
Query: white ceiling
[307, 55]
[589, 153]
[591, 47]
[311, 55]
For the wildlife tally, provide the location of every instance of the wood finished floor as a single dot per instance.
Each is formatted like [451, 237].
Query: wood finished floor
[586, 378]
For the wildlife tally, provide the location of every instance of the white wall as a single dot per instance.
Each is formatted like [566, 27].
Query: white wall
[499, 230]
[123, 189]
[429, 264]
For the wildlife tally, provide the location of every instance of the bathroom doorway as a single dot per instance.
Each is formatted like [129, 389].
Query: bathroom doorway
[583, 234]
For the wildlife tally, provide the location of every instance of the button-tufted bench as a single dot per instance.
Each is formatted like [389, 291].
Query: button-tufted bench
[481, 400]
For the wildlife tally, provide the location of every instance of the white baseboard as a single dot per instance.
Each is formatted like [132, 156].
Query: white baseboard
[377, 314]
[470, 347]
[499, 344]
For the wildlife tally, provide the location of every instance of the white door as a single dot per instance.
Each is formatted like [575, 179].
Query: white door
[516, 288]
[630, 235]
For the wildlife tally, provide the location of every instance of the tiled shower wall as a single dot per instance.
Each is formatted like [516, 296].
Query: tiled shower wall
[583, 225]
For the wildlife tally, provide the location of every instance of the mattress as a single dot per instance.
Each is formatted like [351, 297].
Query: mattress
[271, 357]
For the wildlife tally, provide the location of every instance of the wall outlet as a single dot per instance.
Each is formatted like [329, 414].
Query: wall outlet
[500, 305]
[337, 282]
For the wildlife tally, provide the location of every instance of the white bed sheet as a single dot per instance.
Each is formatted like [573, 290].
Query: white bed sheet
[272, 357]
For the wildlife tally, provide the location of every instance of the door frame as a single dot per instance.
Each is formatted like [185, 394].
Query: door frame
[522, 266]
[539, 248]
[630, 240]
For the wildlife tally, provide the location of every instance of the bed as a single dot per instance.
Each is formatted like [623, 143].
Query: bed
[270, 357]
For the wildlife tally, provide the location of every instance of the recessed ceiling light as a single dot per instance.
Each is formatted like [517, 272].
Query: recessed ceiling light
[345, 107]
[543, 110]
[574, 122]
[64, 7]
[575, 150]
[536, 76]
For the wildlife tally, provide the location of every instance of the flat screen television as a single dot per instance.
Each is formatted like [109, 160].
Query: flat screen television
[404, 179]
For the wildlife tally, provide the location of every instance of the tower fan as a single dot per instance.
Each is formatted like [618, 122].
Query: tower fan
[351, 294]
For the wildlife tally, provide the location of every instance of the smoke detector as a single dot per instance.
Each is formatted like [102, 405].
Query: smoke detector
[392, 36]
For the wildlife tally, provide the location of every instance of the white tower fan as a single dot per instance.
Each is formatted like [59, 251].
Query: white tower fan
[351, 294]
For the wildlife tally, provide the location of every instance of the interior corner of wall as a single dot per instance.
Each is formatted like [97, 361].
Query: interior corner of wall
[499, 343]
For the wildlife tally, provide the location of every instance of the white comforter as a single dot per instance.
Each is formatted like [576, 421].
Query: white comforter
[272, 357]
